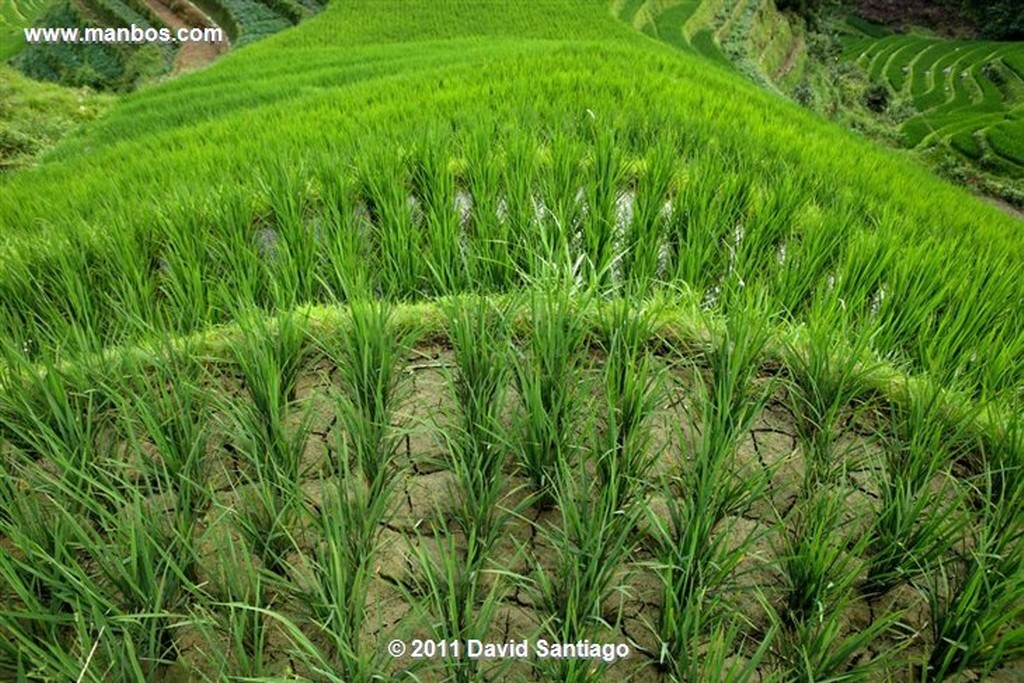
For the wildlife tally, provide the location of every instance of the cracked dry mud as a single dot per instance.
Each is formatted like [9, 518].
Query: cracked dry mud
[425, 491]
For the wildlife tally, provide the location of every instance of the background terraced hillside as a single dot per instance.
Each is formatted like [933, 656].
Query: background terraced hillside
[13, 16]
[970, 94]
[502, 320]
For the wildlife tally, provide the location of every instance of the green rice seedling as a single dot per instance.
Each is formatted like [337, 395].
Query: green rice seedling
[237, 253]
[819, 565]
[563, 212]
[185, 300]
[802, 278]
[860, 274]
[368, 353]
[732, 401]
[42, 585]
[518, 181]
[600, 223]
[348, 523]
[434, 185]
[344, 234]
[476, 440]
[771, 213]
[815, 557]
[457, 595]
[247, 630]
[266, 518]
[270, 358]
[697, 551]
[291, 267]
[73, 307]
[397, 238]
[491, 263]
[169, 411]
[117, 565]
[917, 522]
[823, 649]
[704, 217]
[592, 543]
[633, 391]
[725, 409]
[698, 547]
[1002, 464]
[60, 418]
[645, 235]
[827, 381]
[150, 567]
[718, 663]
[977, 609]
[546, 378]
[131, 297]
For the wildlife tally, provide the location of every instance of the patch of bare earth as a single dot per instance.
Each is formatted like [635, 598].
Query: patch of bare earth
[178, 14]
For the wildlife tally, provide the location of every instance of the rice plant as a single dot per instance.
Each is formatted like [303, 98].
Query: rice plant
[977, 608]
[829, 381]
[591, 542]
[918, 520]
[977, 603]
[477, 442]
[343, 232]
[601, 241]
[270, 359]
[236, 631]
[368, 353]
[457, 595]
[434, 184]
[492, 267]
[167, 420]
[816, 557]
[546, 379]
[725, 407]
[633, 389]
[348, 522]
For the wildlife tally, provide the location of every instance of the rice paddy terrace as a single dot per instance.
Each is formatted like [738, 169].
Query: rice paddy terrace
[970, 94]
[14, 15]
[468, 321]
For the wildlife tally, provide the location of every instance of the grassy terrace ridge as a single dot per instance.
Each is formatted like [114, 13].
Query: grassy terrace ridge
[470, 319]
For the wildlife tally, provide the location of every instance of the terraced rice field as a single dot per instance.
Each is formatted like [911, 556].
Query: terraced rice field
[970, 94]
[684, 24]
[14, 15]
[471, 321]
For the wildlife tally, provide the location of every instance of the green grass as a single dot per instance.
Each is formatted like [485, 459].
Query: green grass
[35, 116]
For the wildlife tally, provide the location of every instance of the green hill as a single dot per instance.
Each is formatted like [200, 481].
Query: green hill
[192, 333]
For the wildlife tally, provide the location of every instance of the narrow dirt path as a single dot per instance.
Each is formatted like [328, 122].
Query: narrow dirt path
[190, 55]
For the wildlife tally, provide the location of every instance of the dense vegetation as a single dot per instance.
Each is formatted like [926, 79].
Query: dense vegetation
[34, 116]
[124, 67]
[118, 67]
[503, 320]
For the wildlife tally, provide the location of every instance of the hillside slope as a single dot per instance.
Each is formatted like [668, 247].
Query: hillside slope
[556, 96]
